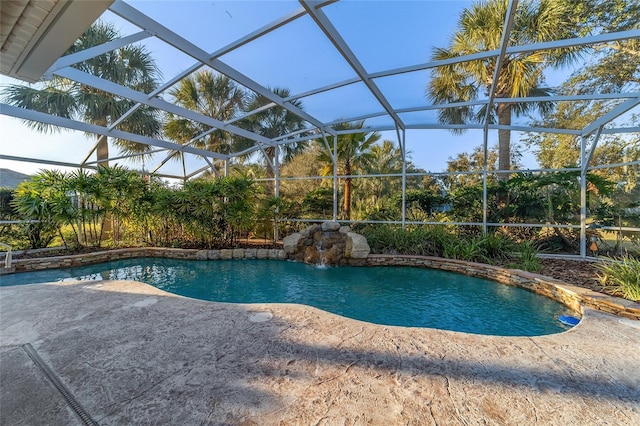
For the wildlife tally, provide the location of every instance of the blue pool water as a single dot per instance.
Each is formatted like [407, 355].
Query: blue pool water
[402, 296]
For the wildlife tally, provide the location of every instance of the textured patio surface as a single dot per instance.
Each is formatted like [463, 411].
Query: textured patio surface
[128, 353]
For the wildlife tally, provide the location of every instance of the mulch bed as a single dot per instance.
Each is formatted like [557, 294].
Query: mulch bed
[577, 272]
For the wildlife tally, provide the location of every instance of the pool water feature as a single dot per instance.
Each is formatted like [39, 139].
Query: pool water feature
[399, 296]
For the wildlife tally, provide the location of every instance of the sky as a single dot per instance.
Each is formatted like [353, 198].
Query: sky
[382, 34]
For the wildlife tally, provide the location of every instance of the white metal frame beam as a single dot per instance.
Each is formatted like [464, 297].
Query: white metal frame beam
[616, 112]
[601, 38]
[125, 92]
[323, 22]
[596, 129]
[142, 21]
[41, 161]
[504, 41]
[570, 42]
[54, 120]
[92, 52]
[228, 48]
[123, 157]
[558, 98]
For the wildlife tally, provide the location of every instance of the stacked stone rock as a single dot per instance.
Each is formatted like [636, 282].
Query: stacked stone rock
[357, 253]
[327, 243]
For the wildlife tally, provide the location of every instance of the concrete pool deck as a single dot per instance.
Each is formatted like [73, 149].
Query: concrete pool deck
[128, 353]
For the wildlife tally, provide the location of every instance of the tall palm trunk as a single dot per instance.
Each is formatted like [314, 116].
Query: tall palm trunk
[271, 173]
[102, 156]
[102, 151]
[504, 141]
[347, 190]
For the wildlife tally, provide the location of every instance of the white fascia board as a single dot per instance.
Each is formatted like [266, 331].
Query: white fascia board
[54, 120]
[60, 29]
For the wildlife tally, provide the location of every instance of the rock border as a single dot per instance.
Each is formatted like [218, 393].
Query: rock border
[569, 295]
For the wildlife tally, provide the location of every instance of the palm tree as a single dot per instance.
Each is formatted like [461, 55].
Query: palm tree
[273, 122]
[35, 200]
[521, 74]
[212, 95]
[354, 149]
[130, 66]
[385, 158]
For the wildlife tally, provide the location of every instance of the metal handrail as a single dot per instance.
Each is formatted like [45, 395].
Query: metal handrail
[7, 259]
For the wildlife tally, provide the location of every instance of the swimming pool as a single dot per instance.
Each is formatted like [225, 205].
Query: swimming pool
[402, 296]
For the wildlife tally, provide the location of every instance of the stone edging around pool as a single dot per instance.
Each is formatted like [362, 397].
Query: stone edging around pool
[572, 296]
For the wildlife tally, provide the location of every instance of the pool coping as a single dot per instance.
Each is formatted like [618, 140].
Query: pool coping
[572, 296]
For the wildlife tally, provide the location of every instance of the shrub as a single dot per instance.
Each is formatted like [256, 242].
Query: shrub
[621, 276]
[437, 241]
[394, 240]
[469, 249]
[496, 247]
[528, 257]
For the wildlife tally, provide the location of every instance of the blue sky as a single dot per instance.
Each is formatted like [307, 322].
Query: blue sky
[382, 34]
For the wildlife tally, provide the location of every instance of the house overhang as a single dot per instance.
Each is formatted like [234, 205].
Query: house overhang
[35, 33]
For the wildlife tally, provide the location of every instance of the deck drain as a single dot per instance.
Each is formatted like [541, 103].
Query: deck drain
[53, 379]
[260, 316]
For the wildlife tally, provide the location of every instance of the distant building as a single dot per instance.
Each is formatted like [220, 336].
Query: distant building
[11, 179]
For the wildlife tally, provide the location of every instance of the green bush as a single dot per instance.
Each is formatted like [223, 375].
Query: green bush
[469, 249]
[496, 247]
[621, 276]
[387, 239]
[437, 241]
[528, 254]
